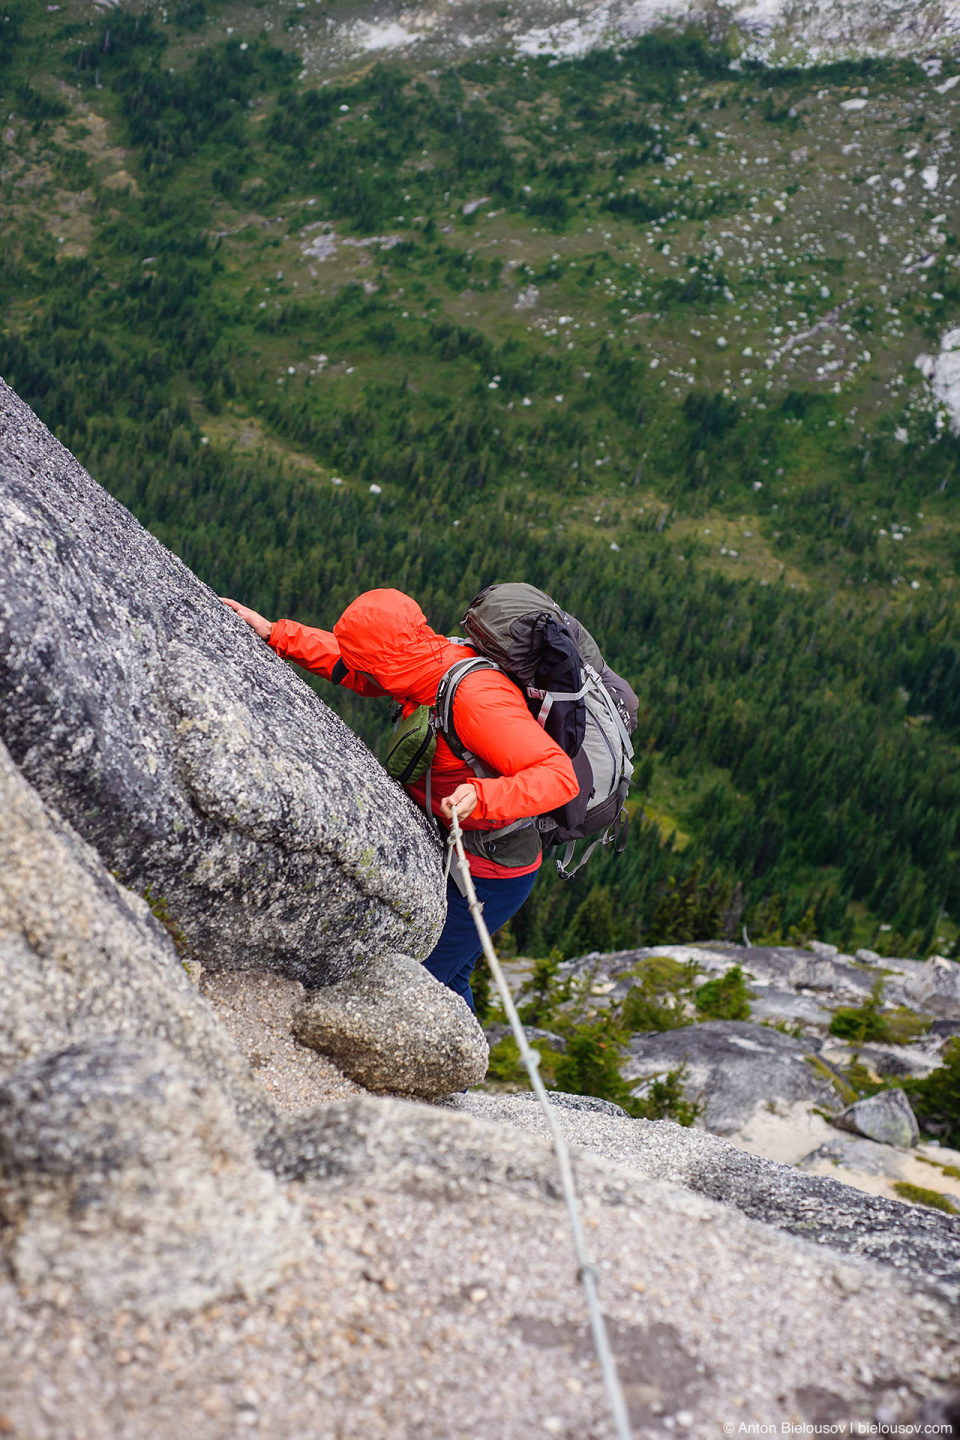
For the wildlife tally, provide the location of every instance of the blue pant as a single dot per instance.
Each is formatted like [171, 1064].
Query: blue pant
[458, 949]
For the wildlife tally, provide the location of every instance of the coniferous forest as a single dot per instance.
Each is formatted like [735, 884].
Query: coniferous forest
[494, 321]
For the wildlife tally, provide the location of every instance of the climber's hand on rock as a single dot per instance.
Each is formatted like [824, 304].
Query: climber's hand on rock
[466, 800]
[255, 621]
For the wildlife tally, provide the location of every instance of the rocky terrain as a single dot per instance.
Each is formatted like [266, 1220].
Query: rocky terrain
[778, 1084]
[183, 1246]
[341, 35]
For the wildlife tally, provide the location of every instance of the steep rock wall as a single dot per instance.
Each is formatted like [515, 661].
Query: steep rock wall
[176, 742]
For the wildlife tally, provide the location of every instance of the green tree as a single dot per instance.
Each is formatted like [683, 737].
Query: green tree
[666, 1099]
[591, 1063]
[543, 986]
[481, 984]
[725, 998]
[593, 924]
[862, 1023]
[660, 997]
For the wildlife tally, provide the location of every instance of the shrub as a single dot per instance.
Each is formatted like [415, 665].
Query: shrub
[543, 987]
[506, 1067]
[591, 1064]
[904, 1026]
[725, 998]
[936, 1098]
[482, 994]
[666, 1100]
[864, 1022]
[658, 1001]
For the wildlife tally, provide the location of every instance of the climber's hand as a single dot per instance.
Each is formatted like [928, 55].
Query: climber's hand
[466, 800]
[255, 621]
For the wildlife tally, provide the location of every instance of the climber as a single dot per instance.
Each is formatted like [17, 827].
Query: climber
[383, 646]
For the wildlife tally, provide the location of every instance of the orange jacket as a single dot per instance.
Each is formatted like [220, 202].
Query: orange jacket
[389, 649]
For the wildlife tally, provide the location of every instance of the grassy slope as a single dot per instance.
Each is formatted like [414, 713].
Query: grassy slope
[664, 369]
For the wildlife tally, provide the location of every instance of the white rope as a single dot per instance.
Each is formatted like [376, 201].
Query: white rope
[586, 1270]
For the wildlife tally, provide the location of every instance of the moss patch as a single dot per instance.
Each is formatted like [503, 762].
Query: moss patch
[918, 1195]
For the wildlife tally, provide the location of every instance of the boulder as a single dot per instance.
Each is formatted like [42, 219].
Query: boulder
[183, 749]
[125, 1177]
[394, 1027]
[81, 958]
[855, 1153]
[733, 1067]
[886, 1117]
[814, 973]
[936, 987]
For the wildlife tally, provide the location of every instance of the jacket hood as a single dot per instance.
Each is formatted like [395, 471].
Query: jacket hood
[384, 634]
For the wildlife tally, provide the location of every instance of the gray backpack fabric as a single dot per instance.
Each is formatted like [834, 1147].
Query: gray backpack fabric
[581, 703]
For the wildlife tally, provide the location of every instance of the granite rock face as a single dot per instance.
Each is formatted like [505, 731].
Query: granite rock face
[444, 1269]
[125, 1176]
[82, 959]
[922, 1245]
[395, 1028]
[190, 756]
[885, 1117]
[733, 1066]
[377, 1264]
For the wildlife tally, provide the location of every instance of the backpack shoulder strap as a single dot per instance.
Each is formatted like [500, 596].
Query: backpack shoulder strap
[446, 694]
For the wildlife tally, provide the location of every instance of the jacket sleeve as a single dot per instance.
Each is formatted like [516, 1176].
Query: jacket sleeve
[318, 652]
[534, 775]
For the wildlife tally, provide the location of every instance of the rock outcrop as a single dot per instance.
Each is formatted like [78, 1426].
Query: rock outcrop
[731, 1066]
[936, 988]
[441, 1300]
[125, 1178]
[176, 742]
[396, 1028]
[922, 1244]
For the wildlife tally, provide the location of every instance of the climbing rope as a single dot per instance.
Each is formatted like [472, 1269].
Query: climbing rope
[586, 1270]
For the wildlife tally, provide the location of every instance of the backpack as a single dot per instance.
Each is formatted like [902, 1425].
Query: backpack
[587, 708]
